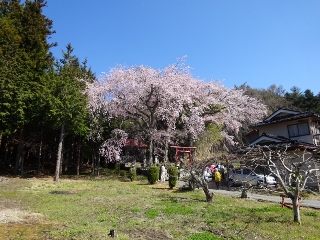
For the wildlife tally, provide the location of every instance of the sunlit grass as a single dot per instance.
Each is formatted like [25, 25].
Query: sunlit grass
[89, 208]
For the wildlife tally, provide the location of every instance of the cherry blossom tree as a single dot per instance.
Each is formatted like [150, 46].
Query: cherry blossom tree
[112, 147]
[170, 105]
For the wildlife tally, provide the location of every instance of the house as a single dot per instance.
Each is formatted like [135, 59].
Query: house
[287, 126]
[296, 130]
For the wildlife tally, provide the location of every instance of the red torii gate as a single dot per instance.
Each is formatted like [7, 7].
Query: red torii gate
[183, 150]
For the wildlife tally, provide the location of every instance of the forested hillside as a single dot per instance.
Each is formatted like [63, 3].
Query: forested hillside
[45, 123]
[275, 97]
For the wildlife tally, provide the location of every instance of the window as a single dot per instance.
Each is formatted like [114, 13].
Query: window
[298, 129]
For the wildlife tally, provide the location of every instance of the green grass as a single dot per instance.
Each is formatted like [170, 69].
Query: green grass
[204, 236]
[90, 208]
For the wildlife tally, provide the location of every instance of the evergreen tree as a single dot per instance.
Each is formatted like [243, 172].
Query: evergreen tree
[67, 103]
[304, 101]
[24, 59]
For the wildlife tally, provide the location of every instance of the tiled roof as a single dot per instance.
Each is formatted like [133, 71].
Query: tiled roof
[286, 143]
[285, 118]
[278, 140]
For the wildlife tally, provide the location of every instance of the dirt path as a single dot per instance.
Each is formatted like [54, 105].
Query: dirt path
[11, 212]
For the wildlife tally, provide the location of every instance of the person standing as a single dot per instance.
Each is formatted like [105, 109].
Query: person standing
[163, 173]
[206, 174]
[217, 178]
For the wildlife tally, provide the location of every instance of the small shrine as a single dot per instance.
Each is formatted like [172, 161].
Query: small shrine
[180, 149]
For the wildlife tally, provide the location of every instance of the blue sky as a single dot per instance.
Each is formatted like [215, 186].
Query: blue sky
[258, 42]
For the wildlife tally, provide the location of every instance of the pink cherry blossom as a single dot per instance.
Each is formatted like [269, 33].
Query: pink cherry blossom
[170, 104]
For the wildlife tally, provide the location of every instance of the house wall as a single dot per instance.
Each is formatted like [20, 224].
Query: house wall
[281, 129]
[315, 130]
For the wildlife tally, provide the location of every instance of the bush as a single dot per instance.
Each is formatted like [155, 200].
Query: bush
[153, 175]
[117, 168]
[173, 176]
[133, 174]
[123, 173]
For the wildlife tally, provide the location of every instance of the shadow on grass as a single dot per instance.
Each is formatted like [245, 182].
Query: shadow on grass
[62, 192]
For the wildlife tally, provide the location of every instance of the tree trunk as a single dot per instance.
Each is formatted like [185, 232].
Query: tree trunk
[5, 157]
[66, 157]
[295, 203]
[204, 184]
[78, 160]
[22, 160]
[93, 168]
[17, 167]
[39, 157]
[0, 142]
[296, 210]
[61, 160]
[166, 151]
[59, 154]
[151, 152]
[209, 195]
[246, 187]
[244, 193]
[98, 165]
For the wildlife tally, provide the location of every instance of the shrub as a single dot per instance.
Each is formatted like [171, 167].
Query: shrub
[173, 176]
[153, 175]
[117, 168]
[133, 174]
[123, 173]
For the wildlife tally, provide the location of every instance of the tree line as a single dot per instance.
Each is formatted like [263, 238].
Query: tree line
[41, 103]
[50, 122]
[276, 97]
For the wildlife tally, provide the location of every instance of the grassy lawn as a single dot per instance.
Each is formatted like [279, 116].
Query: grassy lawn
[90, 208]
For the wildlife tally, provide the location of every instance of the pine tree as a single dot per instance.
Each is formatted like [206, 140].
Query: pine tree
[67, 103]
[24, 60]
